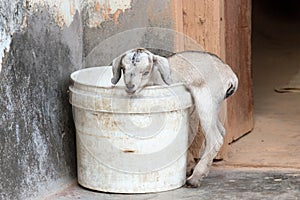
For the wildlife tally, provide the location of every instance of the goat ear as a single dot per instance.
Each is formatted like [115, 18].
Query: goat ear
[116, 69]
[162, 64]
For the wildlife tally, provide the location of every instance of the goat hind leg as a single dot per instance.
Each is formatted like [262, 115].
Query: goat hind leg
[213, 143]
[208, 115]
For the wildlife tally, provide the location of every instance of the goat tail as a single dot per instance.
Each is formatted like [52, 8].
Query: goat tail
[233, 86]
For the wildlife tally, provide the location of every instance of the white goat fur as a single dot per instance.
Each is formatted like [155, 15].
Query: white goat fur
[209, 80]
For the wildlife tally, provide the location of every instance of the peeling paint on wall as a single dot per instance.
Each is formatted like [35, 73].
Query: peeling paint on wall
[101, 10]
[62, 11]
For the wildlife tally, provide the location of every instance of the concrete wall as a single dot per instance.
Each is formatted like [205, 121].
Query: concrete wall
[41, 43]
[36, 130]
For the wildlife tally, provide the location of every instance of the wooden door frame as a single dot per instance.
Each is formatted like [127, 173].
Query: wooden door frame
[223, 28]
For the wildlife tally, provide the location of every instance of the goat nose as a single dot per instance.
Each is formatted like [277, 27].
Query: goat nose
[130, 86]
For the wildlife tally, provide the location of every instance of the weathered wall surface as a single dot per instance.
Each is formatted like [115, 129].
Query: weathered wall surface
[126, 29]
[36, 131]
[41, 43]
[11, 16]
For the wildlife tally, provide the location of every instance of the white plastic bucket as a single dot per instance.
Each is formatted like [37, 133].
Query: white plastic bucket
[129, 144]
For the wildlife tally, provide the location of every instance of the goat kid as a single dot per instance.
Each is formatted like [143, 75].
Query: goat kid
[207, 77]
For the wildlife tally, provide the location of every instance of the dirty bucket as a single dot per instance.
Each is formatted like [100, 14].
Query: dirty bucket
[125, 143]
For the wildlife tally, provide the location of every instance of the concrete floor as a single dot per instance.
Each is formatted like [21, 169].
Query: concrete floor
[222, 183]
[273, 145]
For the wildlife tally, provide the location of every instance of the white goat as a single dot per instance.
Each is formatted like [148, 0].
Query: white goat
[209, 80]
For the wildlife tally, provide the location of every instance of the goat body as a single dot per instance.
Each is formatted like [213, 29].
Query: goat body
[207, 77]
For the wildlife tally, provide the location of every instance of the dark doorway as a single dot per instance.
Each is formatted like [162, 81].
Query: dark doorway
[275, 140]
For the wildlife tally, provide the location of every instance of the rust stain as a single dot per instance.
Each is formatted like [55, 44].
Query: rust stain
[116, 15]
[97, 7]
[107, 8]
[105, 11]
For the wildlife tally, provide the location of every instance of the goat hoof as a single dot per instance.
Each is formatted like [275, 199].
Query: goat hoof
[193, 182]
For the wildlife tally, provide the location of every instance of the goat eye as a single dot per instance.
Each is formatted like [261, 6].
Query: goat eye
[146, 73]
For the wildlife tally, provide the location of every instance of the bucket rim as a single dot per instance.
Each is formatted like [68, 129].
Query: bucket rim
[152, 87]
